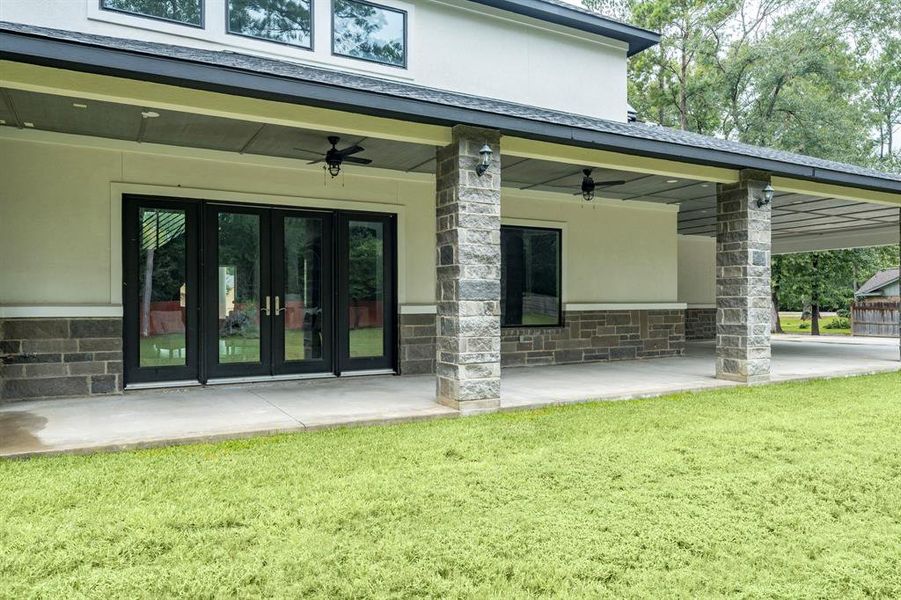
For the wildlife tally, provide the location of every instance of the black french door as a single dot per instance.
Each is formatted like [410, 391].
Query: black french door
[216, 291]
[160, 287]
[366, 292]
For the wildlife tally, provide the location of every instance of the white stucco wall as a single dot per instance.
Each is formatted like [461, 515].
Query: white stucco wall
[60, 220]
[452, 45]
[697, 269]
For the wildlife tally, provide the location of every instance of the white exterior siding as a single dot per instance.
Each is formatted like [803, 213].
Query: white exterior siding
[60, 231]
[457, 46]
[697, 270]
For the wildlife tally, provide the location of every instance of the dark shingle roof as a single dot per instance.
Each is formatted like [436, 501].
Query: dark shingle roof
[636, 138]
[878, 281]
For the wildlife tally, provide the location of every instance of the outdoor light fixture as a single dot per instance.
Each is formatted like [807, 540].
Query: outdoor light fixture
[483, 165]
[768, 192]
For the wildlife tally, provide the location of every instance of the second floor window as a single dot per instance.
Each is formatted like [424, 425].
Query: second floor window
[187, 12]
[284, 21]
[369, 32]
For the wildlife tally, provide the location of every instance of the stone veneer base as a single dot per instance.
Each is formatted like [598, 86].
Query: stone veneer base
[700, 324]
[586, 336]
[601, 335]
[50, 357]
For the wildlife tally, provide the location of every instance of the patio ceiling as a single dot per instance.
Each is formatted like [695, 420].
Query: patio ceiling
[793, 214]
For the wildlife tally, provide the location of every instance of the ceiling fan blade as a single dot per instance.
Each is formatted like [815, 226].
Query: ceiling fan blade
[350, 150]
[313, 162]
[608, 183]
[358, 161]
[316, 152]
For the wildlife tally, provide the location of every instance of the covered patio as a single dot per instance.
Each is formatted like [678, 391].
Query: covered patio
[663, 245]
[173, 416]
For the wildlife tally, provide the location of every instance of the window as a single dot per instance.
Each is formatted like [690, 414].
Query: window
[369, 32]
[284, 21]
[186, 12]
[530, 276]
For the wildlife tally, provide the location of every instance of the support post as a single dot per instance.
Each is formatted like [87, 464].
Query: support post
[743, 293]
[468, 209]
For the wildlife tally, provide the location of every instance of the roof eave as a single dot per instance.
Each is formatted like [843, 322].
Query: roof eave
[637, 38]
[80, 56]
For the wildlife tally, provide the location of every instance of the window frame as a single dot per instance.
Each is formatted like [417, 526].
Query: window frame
[131, 13]
[309, 48]
[560, 318]
[406, 17]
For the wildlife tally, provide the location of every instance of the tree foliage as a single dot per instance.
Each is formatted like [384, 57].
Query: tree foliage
[818, 77]
[821, 78]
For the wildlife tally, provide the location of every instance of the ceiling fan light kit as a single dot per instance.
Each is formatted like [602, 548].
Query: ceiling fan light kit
[589, 185]
[334, 158]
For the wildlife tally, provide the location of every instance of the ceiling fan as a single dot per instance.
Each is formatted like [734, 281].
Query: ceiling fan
[589, 185]
[334, 158]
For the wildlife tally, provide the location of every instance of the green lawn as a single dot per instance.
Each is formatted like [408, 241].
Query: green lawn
[792, 324]
[784, 491]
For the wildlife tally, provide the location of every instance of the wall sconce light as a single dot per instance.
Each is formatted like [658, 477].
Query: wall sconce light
[483, 165]
[768, 193]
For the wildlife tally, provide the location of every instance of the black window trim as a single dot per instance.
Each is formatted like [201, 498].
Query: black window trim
[369, 60]
[561, 322]
[132, 13]
[309, 48]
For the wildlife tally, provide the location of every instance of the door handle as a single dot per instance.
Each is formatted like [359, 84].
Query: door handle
[277, 309]
[266, 310]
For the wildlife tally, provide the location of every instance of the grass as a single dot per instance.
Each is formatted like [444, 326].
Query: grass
[363, 342]
[792, 324]
[789, 490]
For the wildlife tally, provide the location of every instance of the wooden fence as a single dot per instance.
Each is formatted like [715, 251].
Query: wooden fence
[875, 319]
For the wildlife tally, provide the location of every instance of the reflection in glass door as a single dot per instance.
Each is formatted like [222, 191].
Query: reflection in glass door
[302, 288]
[239, 305]
[366, 292]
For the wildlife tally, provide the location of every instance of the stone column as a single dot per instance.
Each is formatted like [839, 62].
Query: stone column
[469, 270]
[743, 296]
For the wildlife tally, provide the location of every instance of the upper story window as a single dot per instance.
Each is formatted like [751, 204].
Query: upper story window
[284, 21]
[186, 12]
[369, 32]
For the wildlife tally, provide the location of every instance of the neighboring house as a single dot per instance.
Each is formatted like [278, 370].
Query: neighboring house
[877, 306]
[174, 211]
[881, 287]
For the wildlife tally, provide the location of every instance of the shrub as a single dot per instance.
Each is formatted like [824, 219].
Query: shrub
[838, 323]
[844, 313]
[803, 325]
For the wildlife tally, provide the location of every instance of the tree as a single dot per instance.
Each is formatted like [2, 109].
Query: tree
[822, 78]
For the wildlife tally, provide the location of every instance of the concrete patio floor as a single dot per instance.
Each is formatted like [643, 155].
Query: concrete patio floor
[170, 416]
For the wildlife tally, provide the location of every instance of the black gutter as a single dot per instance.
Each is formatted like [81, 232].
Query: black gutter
[77, 56]
[638, 39]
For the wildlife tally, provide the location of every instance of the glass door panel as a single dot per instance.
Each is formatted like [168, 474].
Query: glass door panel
[366, 274]
[238, 300]
[159, 290]
[366, 295]
[302, 280]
